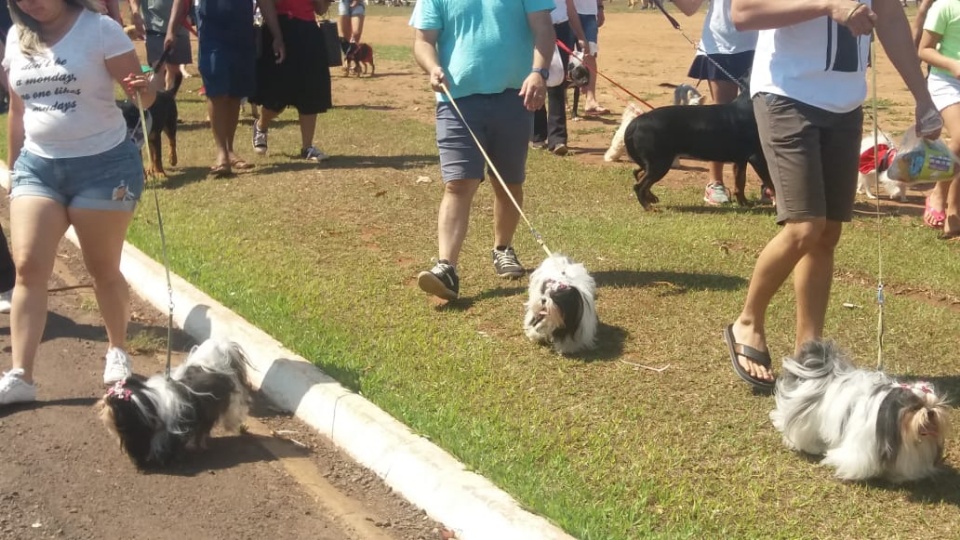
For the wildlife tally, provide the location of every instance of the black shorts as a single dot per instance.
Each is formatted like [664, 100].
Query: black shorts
[737, 65]
[302, 80]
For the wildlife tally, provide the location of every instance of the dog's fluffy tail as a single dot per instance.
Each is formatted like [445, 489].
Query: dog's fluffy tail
[818, 362]
[219, 356]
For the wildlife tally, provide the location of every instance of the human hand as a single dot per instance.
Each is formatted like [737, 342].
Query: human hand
[135, 83]
[279, 50]
[534, 91]
[168, 41]
[582, 45]
[437, 78]
[928, 120]
[859, 18]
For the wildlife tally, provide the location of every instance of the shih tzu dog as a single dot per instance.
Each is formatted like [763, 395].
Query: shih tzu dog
[874, 163]
[617, 146]
[865, 424]
[157, 418]
[561, 309]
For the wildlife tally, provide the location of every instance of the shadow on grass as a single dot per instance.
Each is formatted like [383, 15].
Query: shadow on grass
[678, 282]
[410, 161]
[754, 208]
[943, 488]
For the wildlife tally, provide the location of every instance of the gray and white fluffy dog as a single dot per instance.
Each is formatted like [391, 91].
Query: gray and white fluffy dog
[156, 419]
[561, 307]
[865, 424]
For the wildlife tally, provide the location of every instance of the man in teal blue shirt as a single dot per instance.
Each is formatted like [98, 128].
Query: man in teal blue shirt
[493, 56]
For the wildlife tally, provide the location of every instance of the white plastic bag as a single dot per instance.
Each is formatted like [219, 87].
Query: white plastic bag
[921, 160]
[557, 72]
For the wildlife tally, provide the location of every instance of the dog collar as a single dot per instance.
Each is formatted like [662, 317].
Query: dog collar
[119, 391]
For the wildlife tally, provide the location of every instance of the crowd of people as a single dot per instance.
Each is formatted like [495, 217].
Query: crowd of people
[811, 135]
[72, 159]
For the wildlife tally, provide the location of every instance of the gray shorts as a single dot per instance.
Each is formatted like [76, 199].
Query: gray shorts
[182, 53]
[502, 124]
[813, 156]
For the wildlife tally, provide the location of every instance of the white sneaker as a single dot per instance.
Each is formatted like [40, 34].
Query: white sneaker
[14, 390]
[117, 367]
[5, 298]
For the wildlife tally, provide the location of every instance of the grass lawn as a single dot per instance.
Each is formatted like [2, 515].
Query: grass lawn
[325, 259]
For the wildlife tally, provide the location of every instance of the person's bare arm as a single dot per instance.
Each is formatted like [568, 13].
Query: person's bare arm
[174, 24]
[688, 7]
[425, 53]
[15, 132]
[575, 26]
[917, 27]
[893, 31]
[534, 89]
[268, 8]
[126, 70]
[136, 18]
[928, 53]
[113, 10]
[765, 14]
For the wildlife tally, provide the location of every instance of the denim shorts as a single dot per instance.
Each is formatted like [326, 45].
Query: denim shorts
[112, 180]
[344, 9]
[591, 31]
[502, 124]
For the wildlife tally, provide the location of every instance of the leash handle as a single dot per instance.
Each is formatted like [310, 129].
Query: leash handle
[506, 189]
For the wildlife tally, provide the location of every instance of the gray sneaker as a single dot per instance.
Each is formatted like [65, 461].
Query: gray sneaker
[259, 139]
[506, 264]
[441, 281]
[312, 153]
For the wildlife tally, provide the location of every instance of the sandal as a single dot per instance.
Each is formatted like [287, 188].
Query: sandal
[757, 356]
[596, 111]
[933, 218]
[221, 171]
[240, 165]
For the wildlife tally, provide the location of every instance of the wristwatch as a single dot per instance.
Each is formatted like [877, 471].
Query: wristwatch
[544, 72]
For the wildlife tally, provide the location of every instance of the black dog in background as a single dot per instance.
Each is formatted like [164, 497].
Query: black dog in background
[726, 133]
[163, 116]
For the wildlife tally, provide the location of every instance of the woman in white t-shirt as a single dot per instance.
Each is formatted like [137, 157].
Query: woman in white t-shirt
[808, 85]
[74, 164]
[724, 57]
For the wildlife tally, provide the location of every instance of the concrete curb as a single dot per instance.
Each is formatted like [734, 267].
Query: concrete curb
[421, 472]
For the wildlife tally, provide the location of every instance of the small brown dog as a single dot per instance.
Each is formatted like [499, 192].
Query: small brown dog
[357, 56]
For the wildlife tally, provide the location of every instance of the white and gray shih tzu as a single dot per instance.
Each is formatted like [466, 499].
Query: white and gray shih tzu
[561, 309]
[156, 419]
[865, 424]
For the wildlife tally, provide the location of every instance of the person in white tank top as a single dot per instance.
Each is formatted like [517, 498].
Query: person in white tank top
[808, 84]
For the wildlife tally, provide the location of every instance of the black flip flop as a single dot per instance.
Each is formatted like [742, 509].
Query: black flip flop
[739, 349]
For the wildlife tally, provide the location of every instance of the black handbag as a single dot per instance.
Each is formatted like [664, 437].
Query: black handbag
[331, 41]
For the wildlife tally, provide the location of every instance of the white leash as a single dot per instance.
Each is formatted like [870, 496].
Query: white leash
[493, 168]
[876, 170]
[163, 241]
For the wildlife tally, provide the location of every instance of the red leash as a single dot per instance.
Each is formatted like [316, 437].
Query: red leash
[563, 46]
